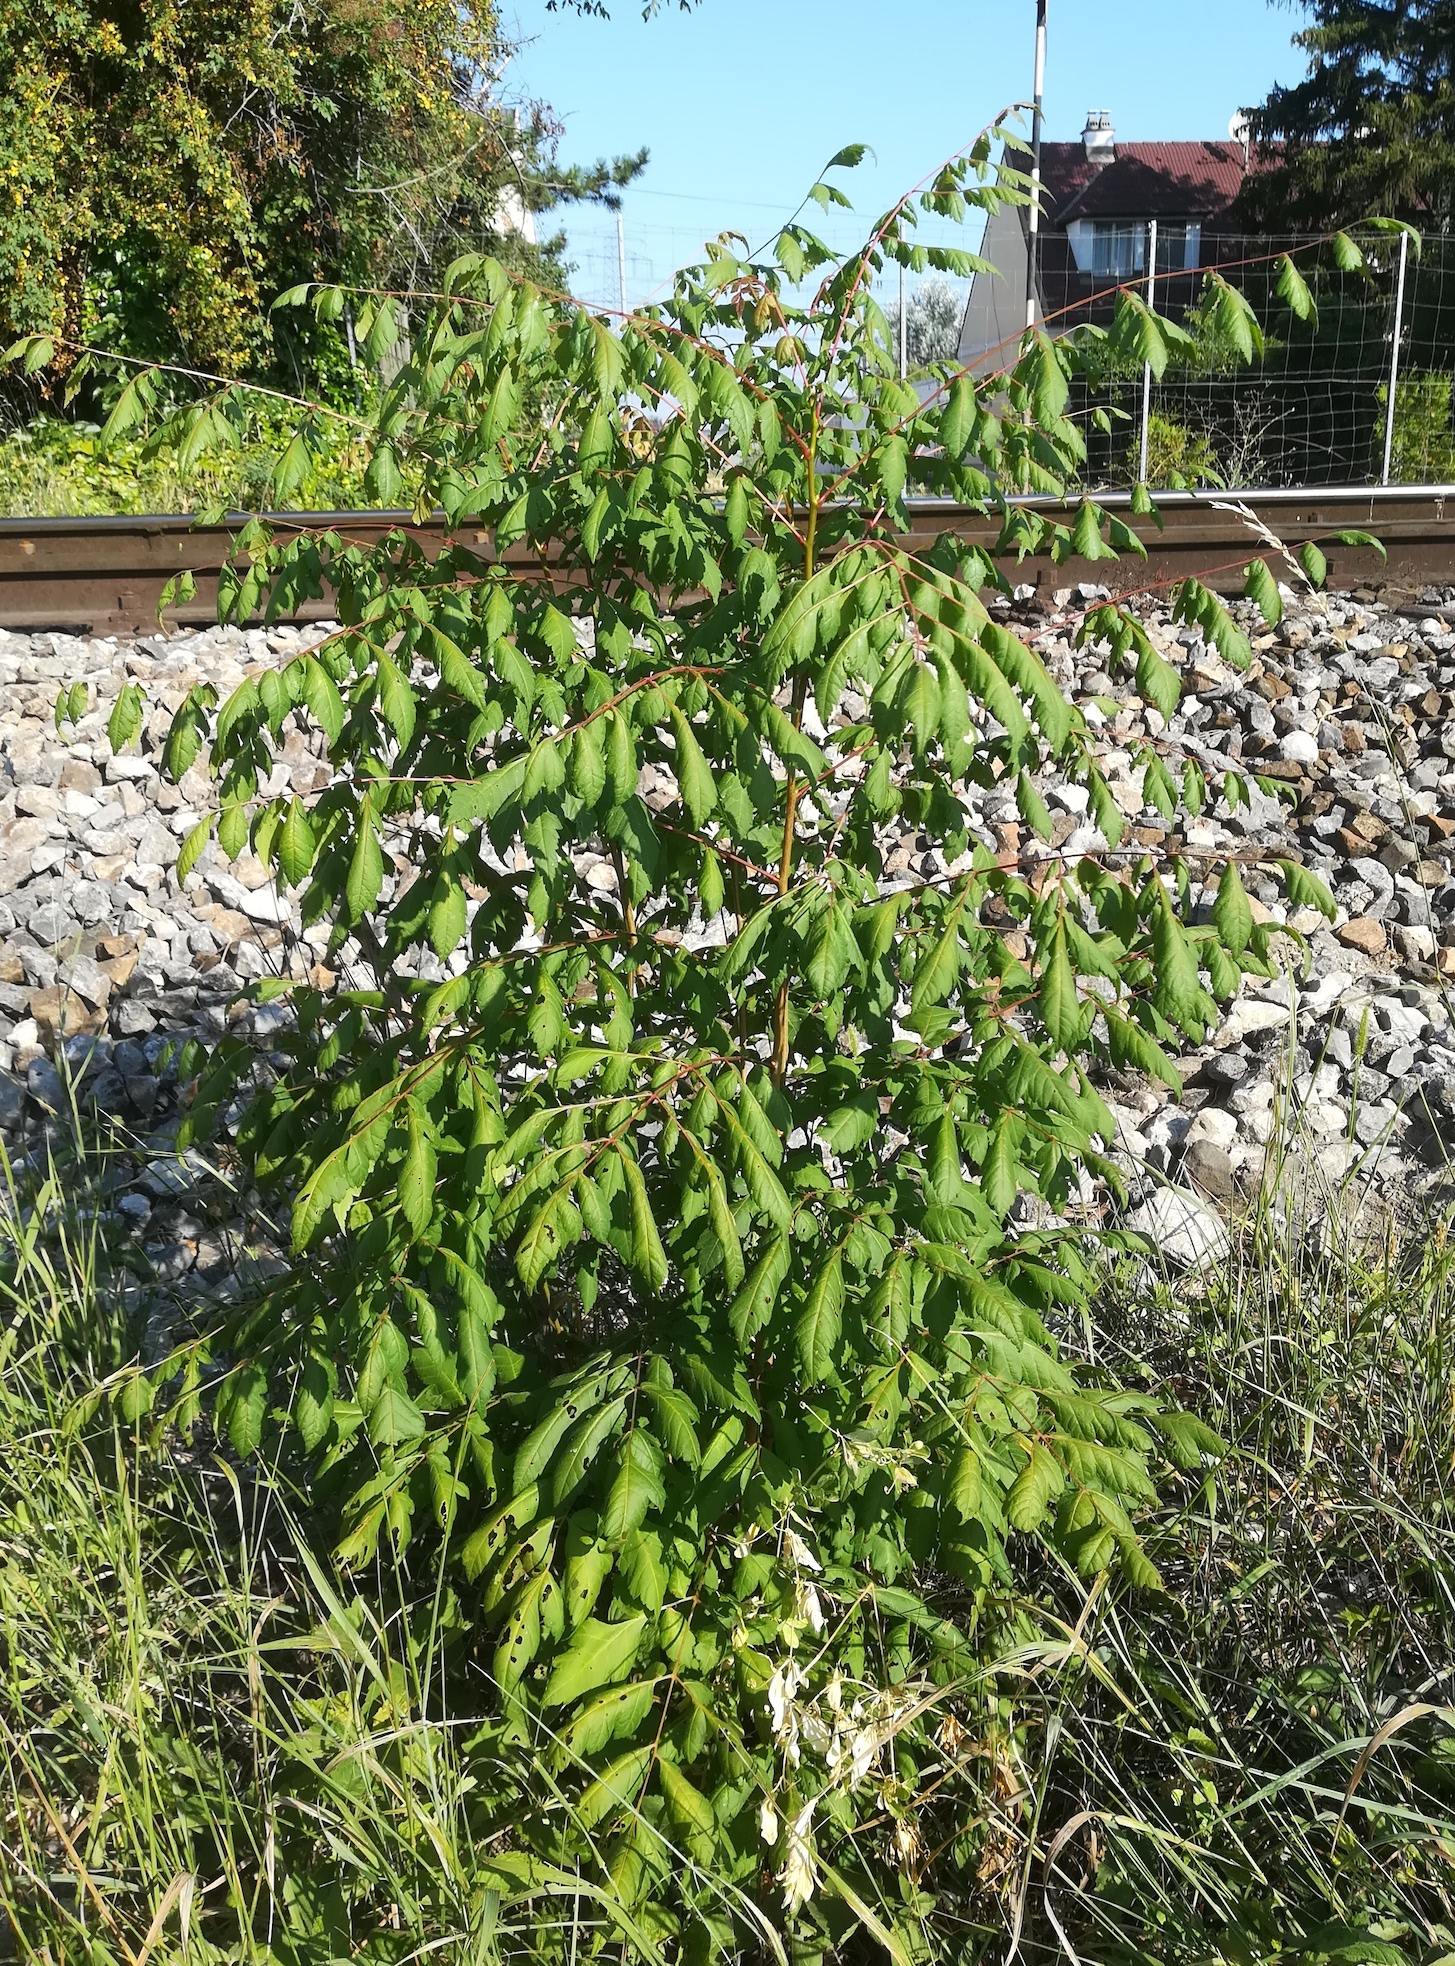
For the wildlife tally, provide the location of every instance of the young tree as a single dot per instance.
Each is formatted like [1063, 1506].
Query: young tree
[1371, 128]
[172, 167]
[654, 1171]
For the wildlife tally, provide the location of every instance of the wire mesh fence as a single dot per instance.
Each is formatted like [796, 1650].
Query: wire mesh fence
[1313, 406]
[1357, 393]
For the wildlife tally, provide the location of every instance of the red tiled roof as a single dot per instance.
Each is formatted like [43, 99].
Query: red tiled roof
[1144, 180]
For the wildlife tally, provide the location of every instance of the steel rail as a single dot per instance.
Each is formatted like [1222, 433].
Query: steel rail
[105, 575]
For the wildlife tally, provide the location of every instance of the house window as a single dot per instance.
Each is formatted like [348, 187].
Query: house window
[1117, 248]
[1177, 244]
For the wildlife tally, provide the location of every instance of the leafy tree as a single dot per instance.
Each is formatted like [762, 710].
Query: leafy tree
[933, 315]
[170, 167]
[1371, 128]
[654, 1180]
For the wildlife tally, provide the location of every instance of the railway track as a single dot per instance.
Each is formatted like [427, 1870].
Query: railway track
[106, 575]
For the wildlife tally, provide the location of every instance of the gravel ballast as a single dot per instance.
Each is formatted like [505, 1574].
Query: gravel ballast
[1344, 1067]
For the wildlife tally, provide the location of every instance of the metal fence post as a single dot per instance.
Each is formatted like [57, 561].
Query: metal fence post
[1147, 366]
[1404, 253]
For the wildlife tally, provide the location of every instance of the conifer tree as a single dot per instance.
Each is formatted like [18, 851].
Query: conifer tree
[1371, 128]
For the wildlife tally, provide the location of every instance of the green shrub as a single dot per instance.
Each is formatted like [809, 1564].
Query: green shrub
[54, 468]
[1423, 452]
[654, 1249]
[1178, 457]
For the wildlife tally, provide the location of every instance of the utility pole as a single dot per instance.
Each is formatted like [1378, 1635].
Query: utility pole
[903, 328]
[1033, 238]
[620, 262]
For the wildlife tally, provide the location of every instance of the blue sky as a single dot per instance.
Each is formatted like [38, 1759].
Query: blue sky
[742, 101]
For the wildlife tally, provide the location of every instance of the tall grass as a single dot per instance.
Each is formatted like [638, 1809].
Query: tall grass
[215, 1746]
[1264, 1762]
[212, 1745]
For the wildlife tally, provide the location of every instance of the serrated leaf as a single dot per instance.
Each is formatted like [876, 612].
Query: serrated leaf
[677, 1421]
[536, 1451]
[1157, 681]
[1293, 291]
[447, 914]
[597, 1652]
[636, 1488]
[232, 829]
[243, 1405]
[1261, 587]
[588, 763]
[833, 949]
[1131, 1045]
[1176, 990]
[759, 1150]
[313, 1403]
[935, 975]
[1191, 1442]
[821, 1321]
[692, 772]
[320, 694]
[590, 1434]
[126, 717]
[999, 1180]
[396, 700]
[609, 1716]
[192, 847]
[1034, 1489]
[296, 845]
[616, 1788]
[1033, 808]
[852, 1124]
[1057, 999]
[965, 1488]
[394, 1417]
[642, 1569]
[648, 1258]
[366, 867]
[691, 1809]
[418, 1174]
[475, 1351]
[1306, 890]
[754, 1302]
[1232, 915]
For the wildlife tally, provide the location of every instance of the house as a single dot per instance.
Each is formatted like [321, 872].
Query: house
[1098, 200]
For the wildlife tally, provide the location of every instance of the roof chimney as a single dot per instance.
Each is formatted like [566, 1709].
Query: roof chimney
[1099, 137]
